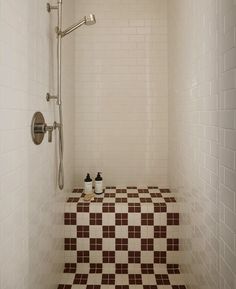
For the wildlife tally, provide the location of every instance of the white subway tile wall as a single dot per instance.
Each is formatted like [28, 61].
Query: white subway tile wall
[121, 103]
[31, 207]
[202, 139]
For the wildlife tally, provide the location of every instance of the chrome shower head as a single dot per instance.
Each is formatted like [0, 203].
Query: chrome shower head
[90, 20]
[87, 20]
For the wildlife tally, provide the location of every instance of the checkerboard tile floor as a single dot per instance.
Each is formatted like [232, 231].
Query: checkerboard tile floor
[125, 238]
[122, 276]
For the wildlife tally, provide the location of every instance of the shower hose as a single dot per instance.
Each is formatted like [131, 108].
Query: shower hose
[61, 151]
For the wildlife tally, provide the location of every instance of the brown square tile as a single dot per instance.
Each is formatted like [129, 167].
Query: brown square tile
[97, 200]
[95, 218]
[121, 268]
[73, 200]
[160, 257]
[134, 256]
[70, 219]
[83, 207]
[164, 190]
[78, 191]
[173, 269]
[82, 231]
[70, 268]
[108, 278]
[147, 219]
[134, 207]
[160, 231]
[156, 195]
[109, 231]
[172, 244]
[170, 200]
[172, 219]
[95, 268]
[132, 188]
[121, 244]
[109, 195]
[145, 200]
[162, 279]
[135, 279]
[121, 219]
[108, 256]
[147, 269]
[160, 207]
[82, 256]
[108, 208]
[134, 231]
[95, 244]
[80, 279]
[121, 200]
[70, 244]
[147, 244]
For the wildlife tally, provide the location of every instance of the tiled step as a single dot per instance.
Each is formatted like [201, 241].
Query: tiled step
[126, 238]
[122, 226]
[122, 276]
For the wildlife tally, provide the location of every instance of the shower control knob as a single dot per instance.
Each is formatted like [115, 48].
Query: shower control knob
[39, 128]
[49, 129]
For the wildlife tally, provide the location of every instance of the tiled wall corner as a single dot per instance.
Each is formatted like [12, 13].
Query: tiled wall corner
[121, 92]
[202, 95]
[228, 144]
[31, 207]
[194, 135]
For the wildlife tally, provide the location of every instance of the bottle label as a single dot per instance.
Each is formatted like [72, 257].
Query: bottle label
[88, 187]
[98, 187]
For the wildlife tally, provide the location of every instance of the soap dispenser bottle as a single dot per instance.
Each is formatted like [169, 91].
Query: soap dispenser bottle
[88, 185]
[98, 184]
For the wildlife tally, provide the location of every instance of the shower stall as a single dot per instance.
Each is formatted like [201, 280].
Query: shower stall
[147, 96]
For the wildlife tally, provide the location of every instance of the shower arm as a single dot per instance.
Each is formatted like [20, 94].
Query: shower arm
[71, 28]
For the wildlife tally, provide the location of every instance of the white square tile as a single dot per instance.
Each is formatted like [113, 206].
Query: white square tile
[94, 279]
[121, 256]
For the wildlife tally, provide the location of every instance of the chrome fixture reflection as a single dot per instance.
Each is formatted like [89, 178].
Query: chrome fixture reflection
[39, 128]
[87, 20]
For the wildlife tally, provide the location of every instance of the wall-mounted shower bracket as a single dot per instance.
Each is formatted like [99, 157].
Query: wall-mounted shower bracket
[50, 7]
[57, 125]
[50, 97]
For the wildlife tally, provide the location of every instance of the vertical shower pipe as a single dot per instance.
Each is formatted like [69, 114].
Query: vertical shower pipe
[59, 100]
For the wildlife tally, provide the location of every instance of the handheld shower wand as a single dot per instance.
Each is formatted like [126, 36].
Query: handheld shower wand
[87, 20]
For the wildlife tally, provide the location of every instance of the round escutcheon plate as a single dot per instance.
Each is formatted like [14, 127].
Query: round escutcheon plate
[37, 128]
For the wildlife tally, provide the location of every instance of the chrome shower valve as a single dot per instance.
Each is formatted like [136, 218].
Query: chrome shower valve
[39, 128]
